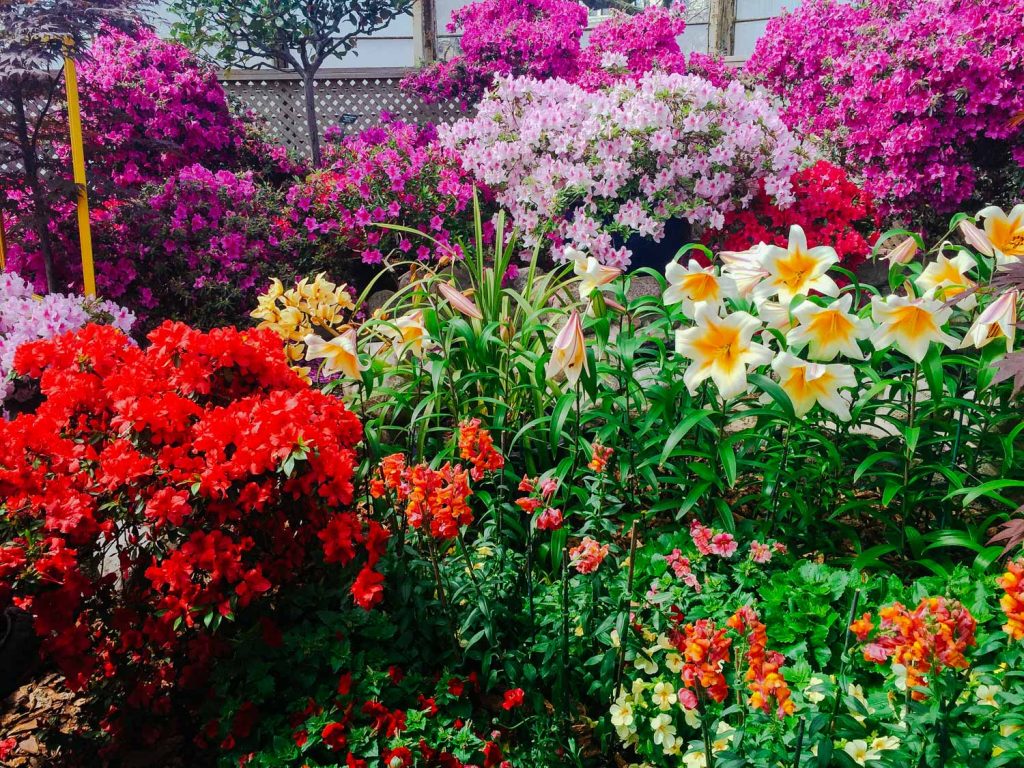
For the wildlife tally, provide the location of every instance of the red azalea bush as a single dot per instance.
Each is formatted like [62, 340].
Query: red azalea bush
[830, 207]
[394, 173]
[157, 491]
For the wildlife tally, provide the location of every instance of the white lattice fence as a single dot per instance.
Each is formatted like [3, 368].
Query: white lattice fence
[353, 99]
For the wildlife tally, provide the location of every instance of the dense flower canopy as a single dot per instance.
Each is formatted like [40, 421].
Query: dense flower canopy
[210, 467]
[922, 98]
[576, 167]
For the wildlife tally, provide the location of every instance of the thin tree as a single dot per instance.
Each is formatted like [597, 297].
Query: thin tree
[295, 35]
[34, 37]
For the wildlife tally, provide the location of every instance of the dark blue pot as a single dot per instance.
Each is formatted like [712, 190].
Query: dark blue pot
[647, 253]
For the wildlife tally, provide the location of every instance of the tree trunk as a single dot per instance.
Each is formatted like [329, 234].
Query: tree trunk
[41, 212]
[314, 131]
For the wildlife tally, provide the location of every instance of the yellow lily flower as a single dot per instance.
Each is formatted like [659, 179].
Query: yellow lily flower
[829, 331]
[911, 324]
[797, 269]
[590, 271]
[810, 384]
[338, 354]
[721, 349]
[568, 353]
[1005, 231]
[745, 268]
[997, 321]
[409, 333]
[694, 284]
[775, 315]
[947, 279]
[860, 752]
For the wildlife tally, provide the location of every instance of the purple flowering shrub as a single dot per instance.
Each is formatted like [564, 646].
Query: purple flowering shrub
[543, 39]
[535, 38]
[25, 317]
[198, 248]
[395, 173]
[149, 110]
[587, 169]
[627, 46]
[922, 99]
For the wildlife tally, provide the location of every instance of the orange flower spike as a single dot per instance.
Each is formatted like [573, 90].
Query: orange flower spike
[1012, 601]
[477, 447]
[600, 455]
[862, 627]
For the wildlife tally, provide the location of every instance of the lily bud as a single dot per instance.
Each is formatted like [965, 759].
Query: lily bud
[568, 353]
[460, 301]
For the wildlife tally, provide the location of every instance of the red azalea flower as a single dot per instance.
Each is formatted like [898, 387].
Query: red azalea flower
[513, 698]
[335, 736]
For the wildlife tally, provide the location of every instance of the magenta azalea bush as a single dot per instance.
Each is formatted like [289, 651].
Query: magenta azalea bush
[536, 38]
[923, 99]
[199, 247]
[26, 317]
[543, 39]
[587, 168]
[150, 108]
[392, 174]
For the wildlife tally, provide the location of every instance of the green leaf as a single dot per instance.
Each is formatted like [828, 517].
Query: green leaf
[681, 431]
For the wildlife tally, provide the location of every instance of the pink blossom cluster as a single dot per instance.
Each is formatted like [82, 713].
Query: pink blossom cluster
[923, 99]
[201, 247]
[535, 38]
[25, 317]
[711, 542]
[626, 46]
[543, 39]
[150, 108]
[580, 168]
[395, 173]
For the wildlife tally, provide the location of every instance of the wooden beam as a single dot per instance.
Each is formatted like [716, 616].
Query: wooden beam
[722, 27]
[424, 31]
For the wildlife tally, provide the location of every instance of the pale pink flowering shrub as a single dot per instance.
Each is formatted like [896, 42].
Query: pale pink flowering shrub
[587, 169]
[921, 98]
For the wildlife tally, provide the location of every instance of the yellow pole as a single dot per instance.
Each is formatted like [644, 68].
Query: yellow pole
[78, 165]
[3, 244]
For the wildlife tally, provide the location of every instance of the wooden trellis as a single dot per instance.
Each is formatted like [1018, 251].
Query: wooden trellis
[349, 98]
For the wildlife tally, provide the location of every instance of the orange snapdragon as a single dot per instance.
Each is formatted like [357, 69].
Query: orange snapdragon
[435, 499]
[477, 447]
[932, 637]
[763, 675]
[600, 455]
[705, 649]
[1012, 602]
